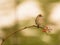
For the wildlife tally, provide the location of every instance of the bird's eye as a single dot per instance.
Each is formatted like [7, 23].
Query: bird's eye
[40, 15]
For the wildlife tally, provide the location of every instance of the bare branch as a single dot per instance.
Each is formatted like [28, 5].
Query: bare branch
[3, 40]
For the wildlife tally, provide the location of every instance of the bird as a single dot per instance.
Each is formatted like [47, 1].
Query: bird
[39, 21]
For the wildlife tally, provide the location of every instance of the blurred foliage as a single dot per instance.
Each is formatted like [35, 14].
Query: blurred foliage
[19, 39]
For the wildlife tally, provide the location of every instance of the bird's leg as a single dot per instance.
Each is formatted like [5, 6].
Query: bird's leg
[38, 26]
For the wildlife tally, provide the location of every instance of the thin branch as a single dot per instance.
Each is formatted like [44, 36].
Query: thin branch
[3, 40]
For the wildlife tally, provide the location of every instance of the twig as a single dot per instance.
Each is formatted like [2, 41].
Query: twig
[3, 40]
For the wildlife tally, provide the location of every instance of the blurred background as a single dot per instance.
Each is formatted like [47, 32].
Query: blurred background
[16, 14]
